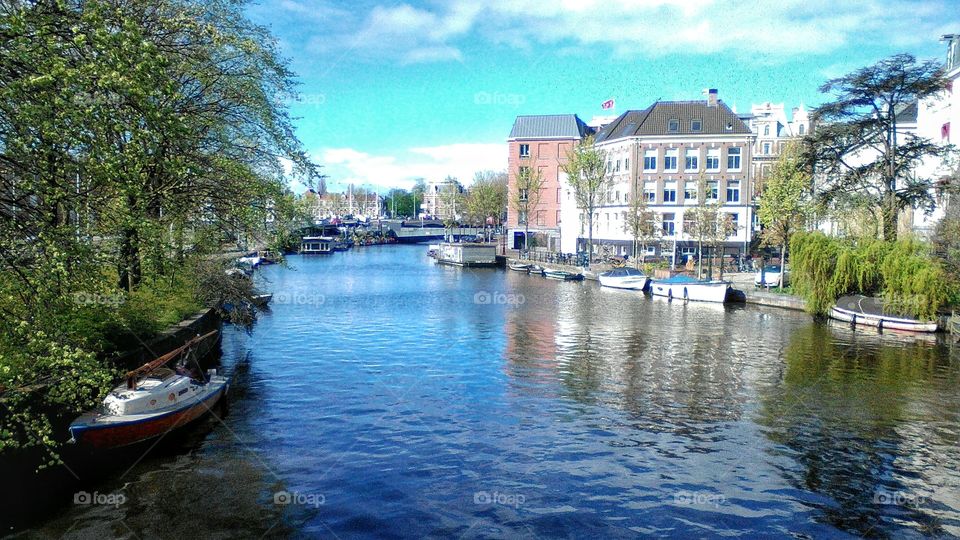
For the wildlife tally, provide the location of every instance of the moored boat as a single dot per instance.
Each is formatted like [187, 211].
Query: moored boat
[316, 245]
[869, 311]
[467, 254]
[562, 275]
[624, 278]
[520, 267]
[689, 288]
[153, 401]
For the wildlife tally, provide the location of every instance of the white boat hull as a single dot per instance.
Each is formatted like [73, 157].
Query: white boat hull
[882, 321]
[634, 283]
[715, 291]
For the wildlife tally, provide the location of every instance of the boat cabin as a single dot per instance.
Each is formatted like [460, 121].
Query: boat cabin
[467, 254]
[317, 245]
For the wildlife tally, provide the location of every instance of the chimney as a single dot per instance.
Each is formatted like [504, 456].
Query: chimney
[711, 97]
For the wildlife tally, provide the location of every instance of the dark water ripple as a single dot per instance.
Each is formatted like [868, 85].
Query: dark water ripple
[379, 384]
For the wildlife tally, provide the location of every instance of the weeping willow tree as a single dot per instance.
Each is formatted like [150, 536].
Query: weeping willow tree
[910, 281]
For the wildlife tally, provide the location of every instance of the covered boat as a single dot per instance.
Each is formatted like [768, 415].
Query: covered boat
[690, 288]
[561, 275]
[869, 311]
[624, 278]
[153, 401]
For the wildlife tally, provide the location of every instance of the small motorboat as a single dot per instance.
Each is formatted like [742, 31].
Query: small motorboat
[536, 269]
[624, 277]
[869, 311]
[520, 267]
[690, 288]
[561, 275]
[153, 401]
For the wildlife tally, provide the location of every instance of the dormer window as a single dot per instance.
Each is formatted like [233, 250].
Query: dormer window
[696, 125]
[673, 125]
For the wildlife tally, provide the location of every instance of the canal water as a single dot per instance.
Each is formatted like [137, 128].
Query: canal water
[385, 396]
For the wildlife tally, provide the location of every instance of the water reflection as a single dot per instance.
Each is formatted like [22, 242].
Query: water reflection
[868, 421]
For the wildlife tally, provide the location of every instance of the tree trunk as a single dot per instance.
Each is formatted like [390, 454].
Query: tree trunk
[889, 217]
[129, 260]
[783, 264]
[699, 259]
[590, 239]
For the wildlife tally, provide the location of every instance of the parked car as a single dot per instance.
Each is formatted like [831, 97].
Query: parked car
[769, 276]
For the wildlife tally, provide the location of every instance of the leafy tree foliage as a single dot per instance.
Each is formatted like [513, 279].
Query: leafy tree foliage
[136, 136]
[859, 145]
[586, 170]
[785, 201]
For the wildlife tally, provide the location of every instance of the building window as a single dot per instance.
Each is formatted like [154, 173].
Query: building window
[766, 130]
[558, 217]
[670, 193]
[696, 125]
[713, 159]
[609, 166]
[713, 192]
[735, 220]
[766, 148]
[618, 165]
[650, 160]
[521, 218]
[668, 224]
[626, 164]
[670, 160]
[540, 218]
[524, 150]
[733, 191]
[690, 192]
[524, 194]
[673, 125]
[558, 195]
[800, 131]
[692, 161]
[733, 159]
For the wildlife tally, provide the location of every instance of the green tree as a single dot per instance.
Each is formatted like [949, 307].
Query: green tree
[487, 197]
[586, 170]
[707, 224]
[785, 201]
[525, 199]
[859, 146]
[640, 223]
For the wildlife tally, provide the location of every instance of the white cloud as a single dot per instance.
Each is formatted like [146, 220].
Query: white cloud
[639, 28]
[461, 160]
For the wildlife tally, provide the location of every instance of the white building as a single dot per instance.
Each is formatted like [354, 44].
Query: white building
[440, 199]
[773, 130]
[659, 153]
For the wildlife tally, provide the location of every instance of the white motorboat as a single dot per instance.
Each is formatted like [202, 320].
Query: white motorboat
[625, 278]
[688, 288]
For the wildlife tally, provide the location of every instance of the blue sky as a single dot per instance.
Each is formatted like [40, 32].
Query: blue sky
[392, 91]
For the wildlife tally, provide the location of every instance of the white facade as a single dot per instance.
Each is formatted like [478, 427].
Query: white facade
[666, 170]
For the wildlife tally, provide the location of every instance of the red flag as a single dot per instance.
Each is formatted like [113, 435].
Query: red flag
[945, 131]
[608, 104]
